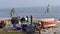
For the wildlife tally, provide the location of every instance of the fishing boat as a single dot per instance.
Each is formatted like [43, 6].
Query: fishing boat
[48, 22]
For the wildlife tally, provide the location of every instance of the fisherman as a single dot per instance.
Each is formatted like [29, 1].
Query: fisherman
[14, 20]
[30, 29]
[2, 24]
[31, 17]
[26, 18]
[18, 18]
[29, 20]
[39, 23]
[22, 19]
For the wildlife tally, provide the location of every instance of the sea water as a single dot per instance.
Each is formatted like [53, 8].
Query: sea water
[36, 12]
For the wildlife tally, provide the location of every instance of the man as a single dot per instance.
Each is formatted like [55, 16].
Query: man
[22, 19]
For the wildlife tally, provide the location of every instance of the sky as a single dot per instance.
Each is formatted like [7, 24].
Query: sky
[27, 3]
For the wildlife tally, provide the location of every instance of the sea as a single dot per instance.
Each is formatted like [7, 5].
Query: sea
[36, 12]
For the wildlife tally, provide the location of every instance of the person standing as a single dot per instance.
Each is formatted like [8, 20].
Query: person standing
[29, 20]
[22, 19]
[26, 18]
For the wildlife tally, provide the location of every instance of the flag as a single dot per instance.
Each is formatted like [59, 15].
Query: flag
[12, 12]
[47, 9]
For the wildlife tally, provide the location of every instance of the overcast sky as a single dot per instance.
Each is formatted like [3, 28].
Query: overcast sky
[27, 3]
